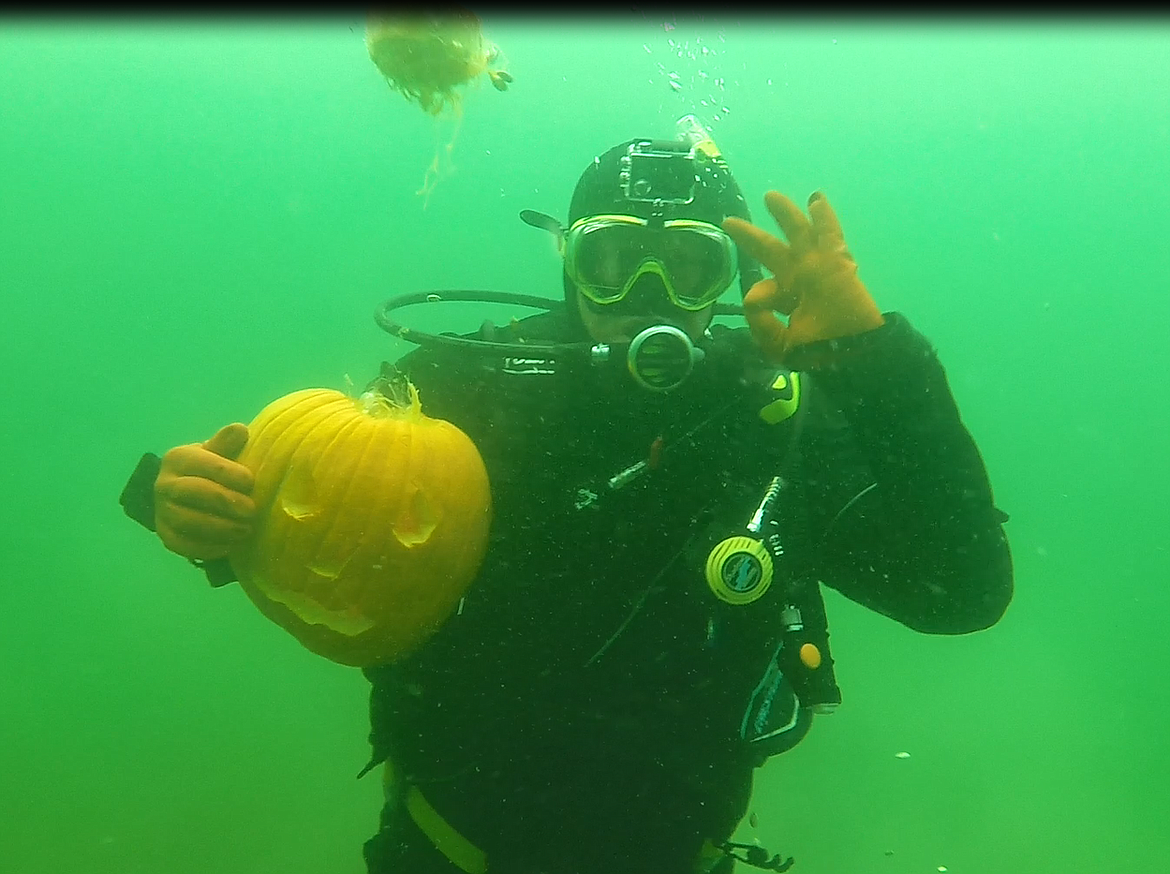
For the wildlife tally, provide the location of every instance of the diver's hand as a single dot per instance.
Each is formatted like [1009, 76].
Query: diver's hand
[202, 506]
[814, 279]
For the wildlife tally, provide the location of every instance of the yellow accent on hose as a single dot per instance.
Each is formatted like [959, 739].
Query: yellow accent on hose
[462, 853]
[787, 385]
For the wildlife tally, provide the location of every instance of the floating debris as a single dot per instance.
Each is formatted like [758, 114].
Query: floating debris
[902, 755]
[430, 60]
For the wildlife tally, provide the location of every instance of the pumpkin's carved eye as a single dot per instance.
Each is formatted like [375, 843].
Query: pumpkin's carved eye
[372, 521]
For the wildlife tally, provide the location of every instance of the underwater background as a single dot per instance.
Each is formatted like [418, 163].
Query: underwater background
[198, 216]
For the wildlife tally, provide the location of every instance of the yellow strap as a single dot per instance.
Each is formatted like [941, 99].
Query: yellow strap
[787, 387]
[463, 854]
[709, 856]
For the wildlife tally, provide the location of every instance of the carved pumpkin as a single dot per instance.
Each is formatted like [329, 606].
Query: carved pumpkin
[372, 521]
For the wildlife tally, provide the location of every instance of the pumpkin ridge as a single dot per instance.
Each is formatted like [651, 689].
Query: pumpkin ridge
[412, 496]
[437, 468]
[278, 452]
[354, 423]
[302, 592]
[373, 535]
[266, 435]
[275, 441]
[305, 425]
[361, 418]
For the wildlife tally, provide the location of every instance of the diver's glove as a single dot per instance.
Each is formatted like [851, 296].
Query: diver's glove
[202, 503]
[814, 279]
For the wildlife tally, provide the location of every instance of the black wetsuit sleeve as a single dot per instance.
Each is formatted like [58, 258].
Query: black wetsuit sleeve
[900, 499]
[137, 500]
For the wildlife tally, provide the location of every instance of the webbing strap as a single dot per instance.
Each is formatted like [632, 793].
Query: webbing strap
[462, 853]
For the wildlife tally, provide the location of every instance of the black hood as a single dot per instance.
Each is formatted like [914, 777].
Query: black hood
[717, 196]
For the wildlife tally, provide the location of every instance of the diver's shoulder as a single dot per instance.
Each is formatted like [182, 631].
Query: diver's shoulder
[461, 368]
[553, 326]
[539, 328]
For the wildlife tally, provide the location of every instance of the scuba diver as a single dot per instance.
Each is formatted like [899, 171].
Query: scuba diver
[670, 494]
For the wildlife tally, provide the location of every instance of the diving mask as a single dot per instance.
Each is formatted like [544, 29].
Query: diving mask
[605, 255]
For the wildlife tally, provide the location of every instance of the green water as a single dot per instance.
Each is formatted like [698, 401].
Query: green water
[199, 216]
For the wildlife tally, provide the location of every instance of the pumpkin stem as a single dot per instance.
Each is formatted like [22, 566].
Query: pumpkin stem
[391, 397]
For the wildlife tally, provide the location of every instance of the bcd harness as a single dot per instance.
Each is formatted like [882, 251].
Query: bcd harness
[798, 680]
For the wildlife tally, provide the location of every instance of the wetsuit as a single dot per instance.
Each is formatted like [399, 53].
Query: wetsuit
[587, 709]
[593, 708]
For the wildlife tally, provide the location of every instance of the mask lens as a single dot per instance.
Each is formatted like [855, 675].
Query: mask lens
[606, 257]
[698, 263]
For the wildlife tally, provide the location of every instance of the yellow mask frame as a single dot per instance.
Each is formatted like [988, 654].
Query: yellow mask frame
[719, 245]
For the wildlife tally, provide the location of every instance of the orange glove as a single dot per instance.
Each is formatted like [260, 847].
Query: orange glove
[814, 279]
[202, 506]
